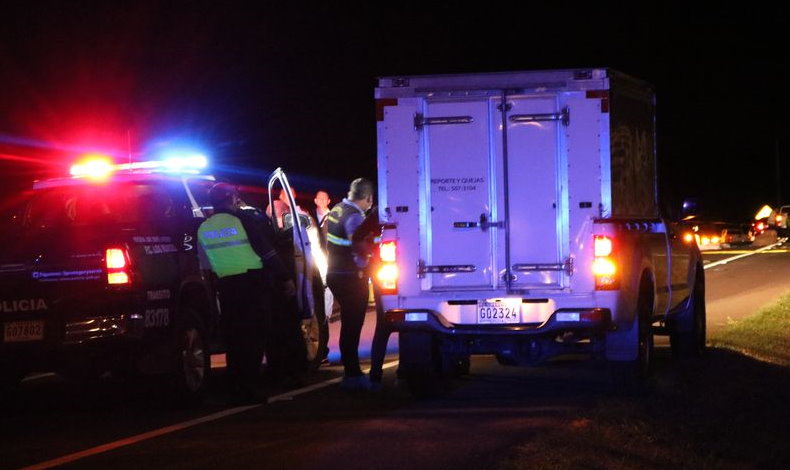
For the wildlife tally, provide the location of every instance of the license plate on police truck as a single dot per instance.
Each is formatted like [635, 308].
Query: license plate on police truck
[497, 311]
[16, 331]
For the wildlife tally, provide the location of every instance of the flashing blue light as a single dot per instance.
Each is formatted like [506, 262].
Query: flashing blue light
[185, 161]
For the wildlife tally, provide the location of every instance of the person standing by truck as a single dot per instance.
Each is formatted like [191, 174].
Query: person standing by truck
[238, 248]
[346, 275]
[369, 233]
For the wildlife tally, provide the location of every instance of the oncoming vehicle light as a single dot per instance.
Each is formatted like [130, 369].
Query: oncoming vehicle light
[604, 267]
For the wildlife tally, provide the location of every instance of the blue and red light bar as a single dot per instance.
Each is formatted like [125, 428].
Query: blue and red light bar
[100, 167]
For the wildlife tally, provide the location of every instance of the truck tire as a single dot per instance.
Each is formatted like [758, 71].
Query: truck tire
[630, 376]
[420, 364]
[687, 338]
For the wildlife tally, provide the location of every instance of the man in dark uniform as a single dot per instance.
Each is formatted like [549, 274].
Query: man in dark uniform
[238, 247]
[369, 233]
[346, 277]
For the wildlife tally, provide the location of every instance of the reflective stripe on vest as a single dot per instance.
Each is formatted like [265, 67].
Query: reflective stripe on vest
[335, 240]
[226, 245]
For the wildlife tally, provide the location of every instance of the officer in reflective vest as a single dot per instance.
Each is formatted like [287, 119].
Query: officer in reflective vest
[346, 277]
[237, 245]
[369, 233]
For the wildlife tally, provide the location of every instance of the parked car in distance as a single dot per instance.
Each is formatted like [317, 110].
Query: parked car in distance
[737, 235]
[707, 235]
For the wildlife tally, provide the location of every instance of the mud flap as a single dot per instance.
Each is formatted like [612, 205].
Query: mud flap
[623, 345]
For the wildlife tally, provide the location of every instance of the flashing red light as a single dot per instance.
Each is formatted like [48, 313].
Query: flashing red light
[93, 166]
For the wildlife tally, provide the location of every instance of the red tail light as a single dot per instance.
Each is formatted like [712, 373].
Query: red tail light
[116, 260]
[604, 266]
[387, 273]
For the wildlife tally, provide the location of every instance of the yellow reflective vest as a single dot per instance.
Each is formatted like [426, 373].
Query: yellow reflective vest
[225, 243]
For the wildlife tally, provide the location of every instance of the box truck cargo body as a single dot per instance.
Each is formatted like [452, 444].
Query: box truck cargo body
[522, 216]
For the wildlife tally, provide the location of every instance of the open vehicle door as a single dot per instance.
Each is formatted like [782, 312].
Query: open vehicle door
[309, 286]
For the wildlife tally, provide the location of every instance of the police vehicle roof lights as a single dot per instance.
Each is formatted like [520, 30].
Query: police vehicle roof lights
[100, 167]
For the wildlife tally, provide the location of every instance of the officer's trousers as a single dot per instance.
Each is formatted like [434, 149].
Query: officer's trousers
[351, 292]
[245, 308]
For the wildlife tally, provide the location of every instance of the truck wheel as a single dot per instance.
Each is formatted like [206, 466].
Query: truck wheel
[687, 340]
[420, 363]
[457, 366]
[630, 376]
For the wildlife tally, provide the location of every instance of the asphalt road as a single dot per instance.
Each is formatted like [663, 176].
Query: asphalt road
[739, 288]
[56, 423]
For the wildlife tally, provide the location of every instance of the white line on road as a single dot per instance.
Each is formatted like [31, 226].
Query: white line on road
[733, 258]
[178, 427]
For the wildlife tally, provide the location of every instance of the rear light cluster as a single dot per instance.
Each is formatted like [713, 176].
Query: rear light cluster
[387, 274]
[116, 260]
[604, 266]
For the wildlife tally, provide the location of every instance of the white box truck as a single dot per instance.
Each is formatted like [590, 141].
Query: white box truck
[521, 220]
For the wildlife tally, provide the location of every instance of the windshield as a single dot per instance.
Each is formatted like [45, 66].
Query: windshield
[126, 203]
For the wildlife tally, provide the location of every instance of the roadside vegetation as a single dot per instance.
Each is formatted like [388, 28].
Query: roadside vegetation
[763, 336]
[728, 410]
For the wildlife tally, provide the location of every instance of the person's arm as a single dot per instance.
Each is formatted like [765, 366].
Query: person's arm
[360, 248]
[260, 234]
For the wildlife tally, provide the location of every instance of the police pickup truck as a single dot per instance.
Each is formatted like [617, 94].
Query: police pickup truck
[99, 272]
[522, 221]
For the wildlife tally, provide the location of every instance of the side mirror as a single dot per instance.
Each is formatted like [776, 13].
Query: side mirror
[690, 209]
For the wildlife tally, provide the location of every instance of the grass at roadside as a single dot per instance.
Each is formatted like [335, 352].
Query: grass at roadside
[728, 410]
[764, 335]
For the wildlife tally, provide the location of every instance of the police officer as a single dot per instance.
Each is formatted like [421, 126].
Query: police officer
[238, 247]
[369, 233]
[346, 277]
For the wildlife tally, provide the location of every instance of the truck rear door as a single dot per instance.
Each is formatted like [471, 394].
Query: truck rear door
[493, 205]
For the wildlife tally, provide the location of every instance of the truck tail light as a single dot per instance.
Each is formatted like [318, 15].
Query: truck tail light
[387, 274]
[604, 267]
[116, 260]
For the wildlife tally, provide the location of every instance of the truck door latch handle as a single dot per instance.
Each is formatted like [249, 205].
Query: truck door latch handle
[483, 223]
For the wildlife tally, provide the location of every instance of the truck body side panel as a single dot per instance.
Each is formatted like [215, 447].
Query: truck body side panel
[399, 203]
[586, 137]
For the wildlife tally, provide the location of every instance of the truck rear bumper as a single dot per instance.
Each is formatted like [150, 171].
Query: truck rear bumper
[567, 331]
[565, 319]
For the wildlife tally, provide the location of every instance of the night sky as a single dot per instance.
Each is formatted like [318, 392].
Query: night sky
[293, 87]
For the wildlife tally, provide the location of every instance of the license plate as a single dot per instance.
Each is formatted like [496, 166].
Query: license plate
[499, 311]
[16, 331]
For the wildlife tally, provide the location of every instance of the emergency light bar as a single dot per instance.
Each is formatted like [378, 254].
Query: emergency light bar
[101, 167]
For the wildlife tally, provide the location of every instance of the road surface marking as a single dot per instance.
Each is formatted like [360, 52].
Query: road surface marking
[38, 376]
[178, 427]
[733, 258]
[135, 439]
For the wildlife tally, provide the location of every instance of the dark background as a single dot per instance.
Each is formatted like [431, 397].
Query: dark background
[265, 86]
